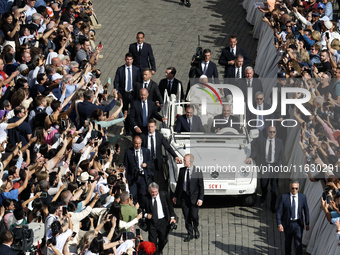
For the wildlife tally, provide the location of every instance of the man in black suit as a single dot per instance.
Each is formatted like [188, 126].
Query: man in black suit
[291, 215]
[137, 162]
[268, 153]
[159, 215]
[229, 54]
[189, 194]
[170, 83]
[189, 122]
[142, 54]
[237, 70]
[249, 82]
[141, 111]
[7, 240]
[262, 123]
[151, 86]
[225, 120]
[154, 141]
[125, 80]
[206, 67]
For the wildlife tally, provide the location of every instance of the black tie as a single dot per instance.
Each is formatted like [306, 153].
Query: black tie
[140, 49]
[137, 161]
[293, 209]
[188, 182]
[152, 148]
[146, 85]
[270, 151]
[238, 73]
[189, 123]
[155, 212]
[169, 88]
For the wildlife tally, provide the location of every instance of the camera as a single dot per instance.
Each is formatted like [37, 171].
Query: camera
[198, 56]
[173, 226]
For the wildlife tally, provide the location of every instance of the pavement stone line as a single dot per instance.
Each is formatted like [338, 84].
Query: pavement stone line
[172, 30]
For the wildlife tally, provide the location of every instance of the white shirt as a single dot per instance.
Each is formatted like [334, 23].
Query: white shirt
[61, 240]
[140, 158]
[159, 207]
[3, 132]
[296, 204]
[154, 142]
[238, 68]
[30, 11]
[273, 150]
[139, 45]
[203, 65]
[146, 84]
[126, 80]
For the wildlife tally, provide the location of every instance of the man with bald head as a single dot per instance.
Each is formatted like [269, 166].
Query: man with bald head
[141, 111]
[56, 62]
[137, 162]
[225, 119]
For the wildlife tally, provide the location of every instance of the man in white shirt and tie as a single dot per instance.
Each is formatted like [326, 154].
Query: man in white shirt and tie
[229, 54]
[189, 194]
[155, 142]
[268, 153]
[159, 214]
[137, 162]
[142, 54]
[237, 70]
[292, 215]
[151, 86]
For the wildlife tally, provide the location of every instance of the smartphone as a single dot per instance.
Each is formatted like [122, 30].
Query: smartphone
[100, 45]
[74, 234]
[327, 35]
[95, 143]
[131, 196]
[137, 232]
[124, 236]
[100, 173]
[121, 175]
[64, 210]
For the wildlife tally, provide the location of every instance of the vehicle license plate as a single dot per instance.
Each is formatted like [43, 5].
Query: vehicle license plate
[215, 186]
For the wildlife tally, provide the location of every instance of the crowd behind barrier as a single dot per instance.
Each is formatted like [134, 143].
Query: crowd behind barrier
[322, 238]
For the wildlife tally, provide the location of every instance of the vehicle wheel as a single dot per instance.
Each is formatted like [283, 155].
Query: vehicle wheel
[249, 200]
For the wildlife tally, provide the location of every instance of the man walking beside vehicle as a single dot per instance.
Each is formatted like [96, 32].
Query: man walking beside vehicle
[189, 194]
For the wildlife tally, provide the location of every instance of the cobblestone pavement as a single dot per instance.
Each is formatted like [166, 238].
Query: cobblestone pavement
[226, 226]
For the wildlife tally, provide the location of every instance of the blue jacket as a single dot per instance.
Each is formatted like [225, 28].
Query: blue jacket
[283, 213]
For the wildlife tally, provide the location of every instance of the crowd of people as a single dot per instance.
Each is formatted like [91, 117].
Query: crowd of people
[58, 166]
[307, 38]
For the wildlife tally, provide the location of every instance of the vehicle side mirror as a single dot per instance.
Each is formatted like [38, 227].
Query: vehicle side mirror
[254, 133]
[166, 132]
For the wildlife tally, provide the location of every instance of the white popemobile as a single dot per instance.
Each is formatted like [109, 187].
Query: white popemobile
[220, 156]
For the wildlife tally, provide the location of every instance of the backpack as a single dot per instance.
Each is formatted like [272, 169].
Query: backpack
[39, 118]
[22, 238]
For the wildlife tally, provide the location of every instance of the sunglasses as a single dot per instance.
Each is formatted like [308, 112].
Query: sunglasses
[295, 188]
[273, 132]
[259, 98]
